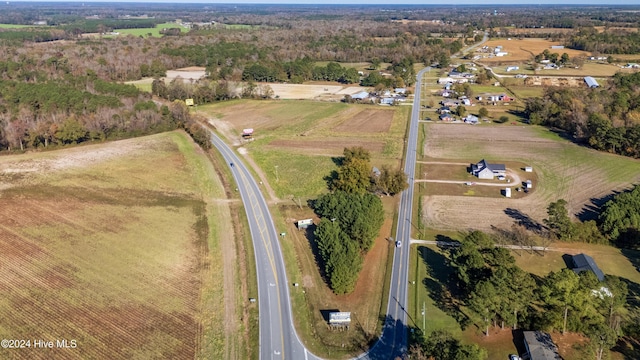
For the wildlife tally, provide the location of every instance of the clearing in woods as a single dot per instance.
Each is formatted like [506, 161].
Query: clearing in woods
[116, 246]
[525, 49]
[564, 170]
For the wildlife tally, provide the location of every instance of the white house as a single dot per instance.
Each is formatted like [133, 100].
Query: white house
[484, 170]
[471, 119]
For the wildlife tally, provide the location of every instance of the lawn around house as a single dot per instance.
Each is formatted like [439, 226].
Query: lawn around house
[430, 270]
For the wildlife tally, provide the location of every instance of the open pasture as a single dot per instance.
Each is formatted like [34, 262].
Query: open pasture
[314, 91]
[522, 50]
[563, 169]
[109, 245]
[16, 26]
[154, 32]
[293, 137]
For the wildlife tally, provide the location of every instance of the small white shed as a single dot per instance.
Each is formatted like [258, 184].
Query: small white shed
[528, 169]
[528, 184]
[507, 192]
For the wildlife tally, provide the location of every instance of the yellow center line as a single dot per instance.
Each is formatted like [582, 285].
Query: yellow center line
[264, 237]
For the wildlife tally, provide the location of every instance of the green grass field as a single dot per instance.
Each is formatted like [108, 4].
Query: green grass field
[312, 127]
[523, 92]
[14, 26]
[115, 246]
[153, 32]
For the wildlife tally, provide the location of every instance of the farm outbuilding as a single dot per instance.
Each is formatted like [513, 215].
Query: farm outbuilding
[528, 169]
[247, 133]
[540, 346]
[340, 319]
[360, 95]
[507, 192]
[387, 101]
[591, 82]
[583, 262]
[303, 224]
[471, 119]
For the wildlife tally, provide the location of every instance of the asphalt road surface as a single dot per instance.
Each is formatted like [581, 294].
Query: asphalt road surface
[393, 341]
[278, 339]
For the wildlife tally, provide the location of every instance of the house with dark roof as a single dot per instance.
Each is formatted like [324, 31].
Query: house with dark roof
[583, 262]
[444, 110]
[484, 170]
[446, 117]
[540, 346]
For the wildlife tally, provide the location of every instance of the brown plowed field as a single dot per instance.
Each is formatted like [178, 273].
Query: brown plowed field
[520, 50]
[564, 170]
[368, 121]
[102, 252]
[326, 147]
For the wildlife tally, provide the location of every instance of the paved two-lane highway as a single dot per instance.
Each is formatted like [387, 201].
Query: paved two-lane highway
[393, 341]
[278, 339]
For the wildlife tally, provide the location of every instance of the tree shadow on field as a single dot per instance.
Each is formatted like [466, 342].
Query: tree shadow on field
[338, 160]
[331, 178]
[524, 220]
[444, 242]
[439, 285]
[521, 114]
[309, 234]
[592, 210]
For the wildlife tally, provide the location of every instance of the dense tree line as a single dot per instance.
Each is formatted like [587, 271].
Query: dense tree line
[620, 219]
[611, 41]
[299, 71]
[489, 284]
[351, 218]
[350, 223]
[562, 228]
[78, 109]
[606, 118]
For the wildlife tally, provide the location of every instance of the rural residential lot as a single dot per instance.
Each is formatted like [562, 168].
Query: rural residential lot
[562, 170]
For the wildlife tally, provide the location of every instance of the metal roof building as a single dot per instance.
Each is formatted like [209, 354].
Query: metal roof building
[582, 262]
[540, 346]
[591, 82]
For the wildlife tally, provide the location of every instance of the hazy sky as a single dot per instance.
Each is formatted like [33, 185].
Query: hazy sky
[380, 2]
